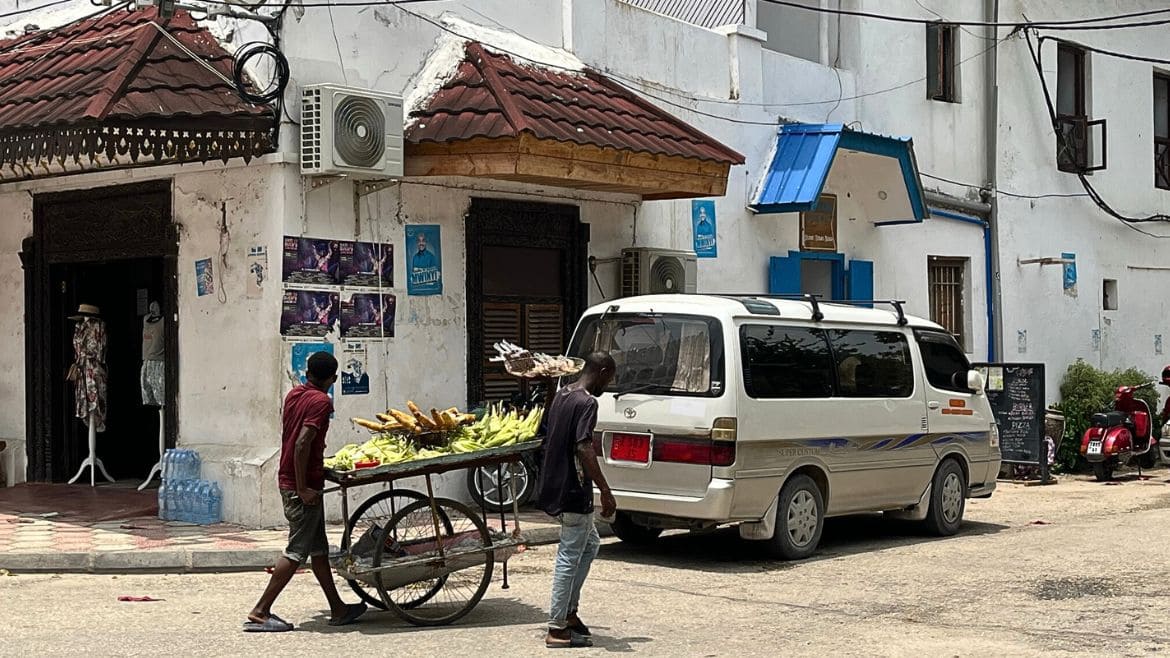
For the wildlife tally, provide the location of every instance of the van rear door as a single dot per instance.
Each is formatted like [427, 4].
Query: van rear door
[654, 421]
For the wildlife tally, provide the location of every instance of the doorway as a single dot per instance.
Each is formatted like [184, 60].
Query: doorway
[114, 248]
[526, 265]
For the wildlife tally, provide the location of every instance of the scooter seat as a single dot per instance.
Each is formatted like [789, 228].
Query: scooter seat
[1108, 419]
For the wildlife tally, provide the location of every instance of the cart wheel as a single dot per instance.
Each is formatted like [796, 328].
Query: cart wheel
[429, 588]
[367, 521]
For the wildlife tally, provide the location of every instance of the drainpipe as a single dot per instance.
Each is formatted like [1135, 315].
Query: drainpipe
[995, 297]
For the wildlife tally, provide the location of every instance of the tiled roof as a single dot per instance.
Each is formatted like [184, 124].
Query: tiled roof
[115, 68]
[490, 95]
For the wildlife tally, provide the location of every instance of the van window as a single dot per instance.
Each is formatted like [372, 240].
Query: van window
[943, 359]
[786, 362]
[657, 353]
[872, 364]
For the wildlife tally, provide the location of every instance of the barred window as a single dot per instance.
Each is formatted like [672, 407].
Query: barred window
[946, 279]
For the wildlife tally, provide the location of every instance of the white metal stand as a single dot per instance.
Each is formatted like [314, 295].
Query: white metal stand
[162, 448]
[92, 460]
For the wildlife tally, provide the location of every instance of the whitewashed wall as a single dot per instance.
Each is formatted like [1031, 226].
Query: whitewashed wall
[1059, 327]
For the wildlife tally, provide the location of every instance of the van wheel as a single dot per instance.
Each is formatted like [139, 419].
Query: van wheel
[633, 533]
[800, 518]
[948, 499]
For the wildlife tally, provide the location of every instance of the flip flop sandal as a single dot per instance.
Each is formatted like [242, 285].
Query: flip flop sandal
[273, 624]
[575, 642]
[351, 615]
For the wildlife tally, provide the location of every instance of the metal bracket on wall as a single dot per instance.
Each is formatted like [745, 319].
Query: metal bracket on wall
[1050, 260]
[367, 187]
[317, 182]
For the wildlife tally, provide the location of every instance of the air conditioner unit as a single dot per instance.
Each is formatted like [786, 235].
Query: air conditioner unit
[647, 271]
[350, 132]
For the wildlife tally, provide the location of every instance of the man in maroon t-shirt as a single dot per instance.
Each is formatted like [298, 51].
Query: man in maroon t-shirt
[307, 409]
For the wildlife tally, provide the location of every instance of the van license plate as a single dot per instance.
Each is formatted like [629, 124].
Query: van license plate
[630, 448]
[1094, 448]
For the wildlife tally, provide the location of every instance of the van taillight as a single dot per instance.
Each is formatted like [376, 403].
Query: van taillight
[703, 453]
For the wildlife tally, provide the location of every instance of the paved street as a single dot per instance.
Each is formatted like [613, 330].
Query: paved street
[1073, 568]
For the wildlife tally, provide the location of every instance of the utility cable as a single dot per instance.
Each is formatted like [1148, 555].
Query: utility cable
[1094, 195]
[1066, 24]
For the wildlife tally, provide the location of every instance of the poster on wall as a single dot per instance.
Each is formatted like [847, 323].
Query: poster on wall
[355, 380]
[309, 313]
[311, 261]
[1070, 273]
[367, 264]
[424, 262]
[703, 227]
[818, 227]
[300, 360]
[204, 277]
[368, 315]
[257, 271]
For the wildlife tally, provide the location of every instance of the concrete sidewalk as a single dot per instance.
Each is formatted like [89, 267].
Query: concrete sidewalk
[37, 543]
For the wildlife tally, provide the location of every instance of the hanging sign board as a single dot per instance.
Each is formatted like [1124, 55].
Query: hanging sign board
[1016, 394]
[818, 228]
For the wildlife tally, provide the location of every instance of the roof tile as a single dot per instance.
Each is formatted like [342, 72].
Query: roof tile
[582, 108]
[119, 65]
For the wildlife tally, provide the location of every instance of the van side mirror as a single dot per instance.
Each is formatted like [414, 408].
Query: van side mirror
[975, 382]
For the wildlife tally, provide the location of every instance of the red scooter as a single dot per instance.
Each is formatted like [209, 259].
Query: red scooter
[1122, 436]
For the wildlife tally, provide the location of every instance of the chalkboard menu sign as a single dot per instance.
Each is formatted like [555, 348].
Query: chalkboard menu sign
[1016, 394]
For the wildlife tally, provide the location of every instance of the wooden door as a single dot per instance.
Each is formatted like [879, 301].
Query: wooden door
[525, 284]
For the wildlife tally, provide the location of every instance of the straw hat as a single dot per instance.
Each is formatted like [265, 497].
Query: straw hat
[86, 311]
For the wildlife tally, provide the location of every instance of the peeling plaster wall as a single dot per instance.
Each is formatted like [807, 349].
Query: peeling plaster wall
[16, 225]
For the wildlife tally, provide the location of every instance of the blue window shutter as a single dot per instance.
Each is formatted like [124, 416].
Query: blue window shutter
[861, 279]
[784, 275]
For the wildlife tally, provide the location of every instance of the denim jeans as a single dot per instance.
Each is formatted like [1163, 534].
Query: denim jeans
[579, 545]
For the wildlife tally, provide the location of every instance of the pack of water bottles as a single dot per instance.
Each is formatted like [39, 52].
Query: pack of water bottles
[183, 496]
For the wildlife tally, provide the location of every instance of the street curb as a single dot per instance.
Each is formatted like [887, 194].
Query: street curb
[190, 560]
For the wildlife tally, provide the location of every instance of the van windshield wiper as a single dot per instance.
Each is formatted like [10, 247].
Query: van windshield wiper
[640, 388]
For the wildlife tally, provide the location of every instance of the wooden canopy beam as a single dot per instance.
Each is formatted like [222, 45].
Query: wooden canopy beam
[569, 165]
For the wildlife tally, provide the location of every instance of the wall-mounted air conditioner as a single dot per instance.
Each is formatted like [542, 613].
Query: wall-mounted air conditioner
[647, 271]
[350, 132]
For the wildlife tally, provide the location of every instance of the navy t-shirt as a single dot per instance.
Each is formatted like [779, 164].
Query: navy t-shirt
[564, 484]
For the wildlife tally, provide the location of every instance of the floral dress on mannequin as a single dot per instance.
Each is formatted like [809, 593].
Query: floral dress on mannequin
[89, 349]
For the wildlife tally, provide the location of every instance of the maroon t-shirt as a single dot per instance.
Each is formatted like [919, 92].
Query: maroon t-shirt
[304, 406]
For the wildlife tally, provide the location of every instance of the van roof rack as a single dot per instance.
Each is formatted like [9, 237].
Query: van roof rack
[815, 301]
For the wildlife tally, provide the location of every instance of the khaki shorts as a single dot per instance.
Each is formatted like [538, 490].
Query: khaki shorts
[306, 528]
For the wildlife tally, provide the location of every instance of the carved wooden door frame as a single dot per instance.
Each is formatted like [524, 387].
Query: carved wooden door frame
[87, 226]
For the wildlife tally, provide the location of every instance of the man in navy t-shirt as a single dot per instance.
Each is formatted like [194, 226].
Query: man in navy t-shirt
[566, 491]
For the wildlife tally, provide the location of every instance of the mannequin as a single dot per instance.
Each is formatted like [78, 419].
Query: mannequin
[154, 377]
[88, 375]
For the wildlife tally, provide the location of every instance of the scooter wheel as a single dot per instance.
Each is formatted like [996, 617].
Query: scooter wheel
[1103, 471]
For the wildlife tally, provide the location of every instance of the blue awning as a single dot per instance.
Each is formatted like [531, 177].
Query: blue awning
[804, 157]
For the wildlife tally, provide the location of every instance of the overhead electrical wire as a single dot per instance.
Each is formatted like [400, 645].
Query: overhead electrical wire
[1102, 51]
[1054, 195]
[29, 10]
[1065, 24]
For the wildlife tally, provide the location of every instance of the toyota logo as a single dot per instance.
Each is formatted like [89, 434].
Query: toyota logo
[630, 413]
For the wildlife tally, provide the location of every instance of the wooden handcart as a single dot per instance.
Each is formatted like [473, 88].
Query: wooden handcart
[428, 560]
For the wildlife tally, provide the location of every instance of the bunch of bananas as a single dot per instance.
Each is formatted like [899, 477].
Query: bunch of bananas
[416, 422]
[496, 429]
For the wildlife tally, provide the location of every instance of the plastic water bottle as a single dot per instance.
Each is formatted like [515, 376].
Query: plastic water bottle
[169, 500]
[201, 516]
[214, 504]
[168, 459]
[177, 465]
[162, 500]
[196, 465]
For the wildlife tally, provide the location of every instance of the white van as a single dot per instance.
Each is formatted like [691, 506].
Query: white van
[777, 413]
